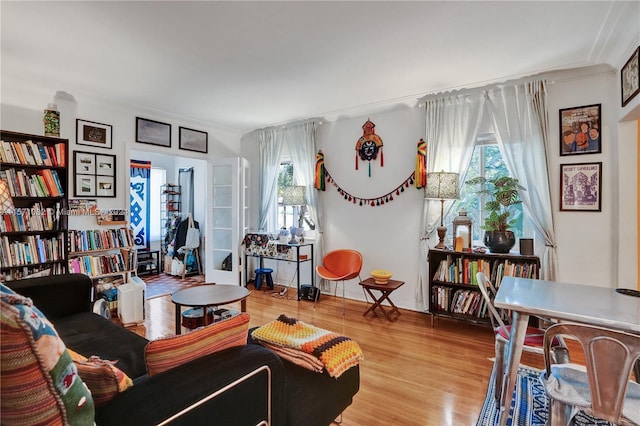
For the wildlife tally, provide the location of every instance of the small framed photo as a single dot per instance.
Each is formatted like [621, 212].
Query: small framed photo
[94, 134]
[85, 186]
[94, 174]
[580, 130]
[153, 132]
[193, 140]
[630, 77]
[105, 165]
[105, 186]
[581, 187]
[85, 163]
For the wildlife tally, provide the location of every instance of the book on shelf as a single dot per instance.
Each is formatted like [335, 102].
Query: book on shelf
[33, 153]
[100, 239]
[31, 250]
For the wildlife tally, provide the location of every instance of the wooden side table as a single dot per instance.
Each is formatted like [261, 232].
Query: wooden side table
[386, 289]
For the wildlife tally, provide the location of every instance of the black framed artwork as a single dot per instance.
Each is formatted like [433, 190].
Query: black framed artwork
[580, 130]
[153, 132]
[193, 140]
[94, 174]
[630, 77]
[94, 134]
[581, 187]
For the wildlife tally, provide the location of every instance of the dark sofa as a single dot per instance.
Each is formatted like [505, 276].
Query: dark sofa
[296, 396]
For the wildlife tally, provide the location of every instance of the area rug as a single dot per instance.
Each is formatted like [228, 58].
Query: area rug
[163, 284]
[529, 404]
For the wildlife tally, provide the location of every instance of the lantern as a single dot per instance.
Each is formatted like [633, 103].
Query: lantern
[462, 227]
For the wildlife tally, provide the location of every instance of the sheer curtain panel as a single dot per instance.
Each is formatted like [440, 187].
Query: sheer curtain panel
[270, 146]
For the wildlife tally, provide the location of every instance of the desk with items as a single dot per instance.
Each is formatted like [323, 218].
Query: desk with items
[267, 246]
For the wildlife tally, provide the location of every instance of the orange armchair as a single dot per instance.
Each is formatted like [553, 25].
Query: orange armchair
[340, 265]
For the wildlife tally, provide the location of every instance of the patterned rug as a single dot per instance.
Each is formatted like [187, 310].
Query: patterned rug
[163, 284]
[529, 404]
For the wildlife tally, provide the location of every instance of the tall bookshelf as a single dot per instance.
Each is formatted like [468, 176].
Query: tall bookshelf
[34, 226]
[453, 287]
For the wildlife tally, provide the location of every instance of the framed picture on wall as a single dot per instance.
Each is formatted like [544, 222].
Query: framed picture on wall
[105, 165]
[630, 77]
[94, 134]
[193, 140]
[94, 174]
[580, 130]
[153, 132]
[581, 187]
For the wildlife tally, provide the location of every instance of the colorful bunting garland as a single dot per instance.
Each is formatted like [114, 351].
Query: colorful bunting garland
[373, 202]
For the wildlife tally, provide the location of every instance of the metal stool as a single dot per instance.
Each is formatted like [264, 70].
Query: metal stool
[266, 273]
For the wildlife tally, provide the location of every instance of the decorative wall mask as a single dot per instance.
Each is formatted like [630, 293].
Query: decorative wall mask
[369, 145]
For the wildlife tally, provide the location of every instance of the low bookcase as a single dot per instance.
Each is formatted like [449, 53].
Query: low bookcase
[453, 287]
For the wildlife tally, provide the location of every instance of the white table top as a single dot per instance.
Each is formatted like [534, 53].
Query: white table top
[570, 302]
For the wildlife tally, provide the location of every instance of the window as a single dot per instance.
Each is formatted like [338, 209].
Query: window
[486, 161]
[291, 215]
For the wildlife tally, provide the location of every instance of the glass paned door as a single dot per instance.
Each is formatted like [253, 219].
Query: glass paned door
[228, 218]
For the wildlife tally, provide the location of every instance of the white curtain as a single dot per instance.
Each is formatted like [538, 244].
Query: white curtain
[518, 116]
[270, 146]
[452, 124]
[520, 123]
[300, 140]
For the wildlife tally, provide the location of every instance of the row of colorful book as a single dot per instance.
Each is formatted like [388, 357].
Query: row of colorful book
[35, 218]
[463, 302]
[33, 153]
[464, 270]
[99, 239]
[31, 250]
[97, 265]
[41, 183]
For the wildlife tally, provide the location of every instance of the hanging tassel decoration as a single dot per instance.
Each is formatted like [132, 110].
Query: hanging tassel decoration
[320, 175]
[381, 157]
[421, 165]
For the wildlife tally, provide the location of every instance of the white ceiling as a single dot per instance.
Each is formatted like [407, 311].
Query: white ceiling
[245, 65]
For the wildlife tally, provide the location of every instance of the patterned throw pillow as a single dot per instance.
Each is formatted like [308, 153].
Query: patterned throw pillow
[169, 352]
[102, 377]
[40, 383]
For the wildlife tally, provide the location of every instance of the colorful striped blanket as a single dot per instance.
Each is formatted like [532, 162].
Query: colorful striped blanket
[309, 346]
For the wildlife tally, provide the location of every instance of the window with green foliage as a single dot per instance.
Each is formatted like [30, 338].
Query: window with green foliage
[487, 162]
[291, 215]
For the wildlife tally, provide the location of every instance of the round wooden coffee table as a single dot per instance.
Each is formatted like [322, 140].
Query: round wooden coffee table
[206, 295]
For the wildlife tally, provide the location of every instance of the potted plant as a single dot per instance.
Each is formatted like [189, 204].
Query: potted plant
[503, 194]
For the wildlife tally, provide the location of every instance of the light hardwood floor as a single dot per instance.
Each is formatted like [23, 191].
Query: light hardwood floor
[413, 373]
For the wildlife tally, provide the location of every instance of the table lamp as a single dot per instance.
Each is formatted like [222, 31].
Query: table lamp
[442, 186]
[293, 196]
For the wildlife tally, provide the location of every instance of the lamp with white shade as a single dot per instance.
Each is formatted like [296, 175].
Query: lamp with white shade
[442, 186]
[293, 196]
